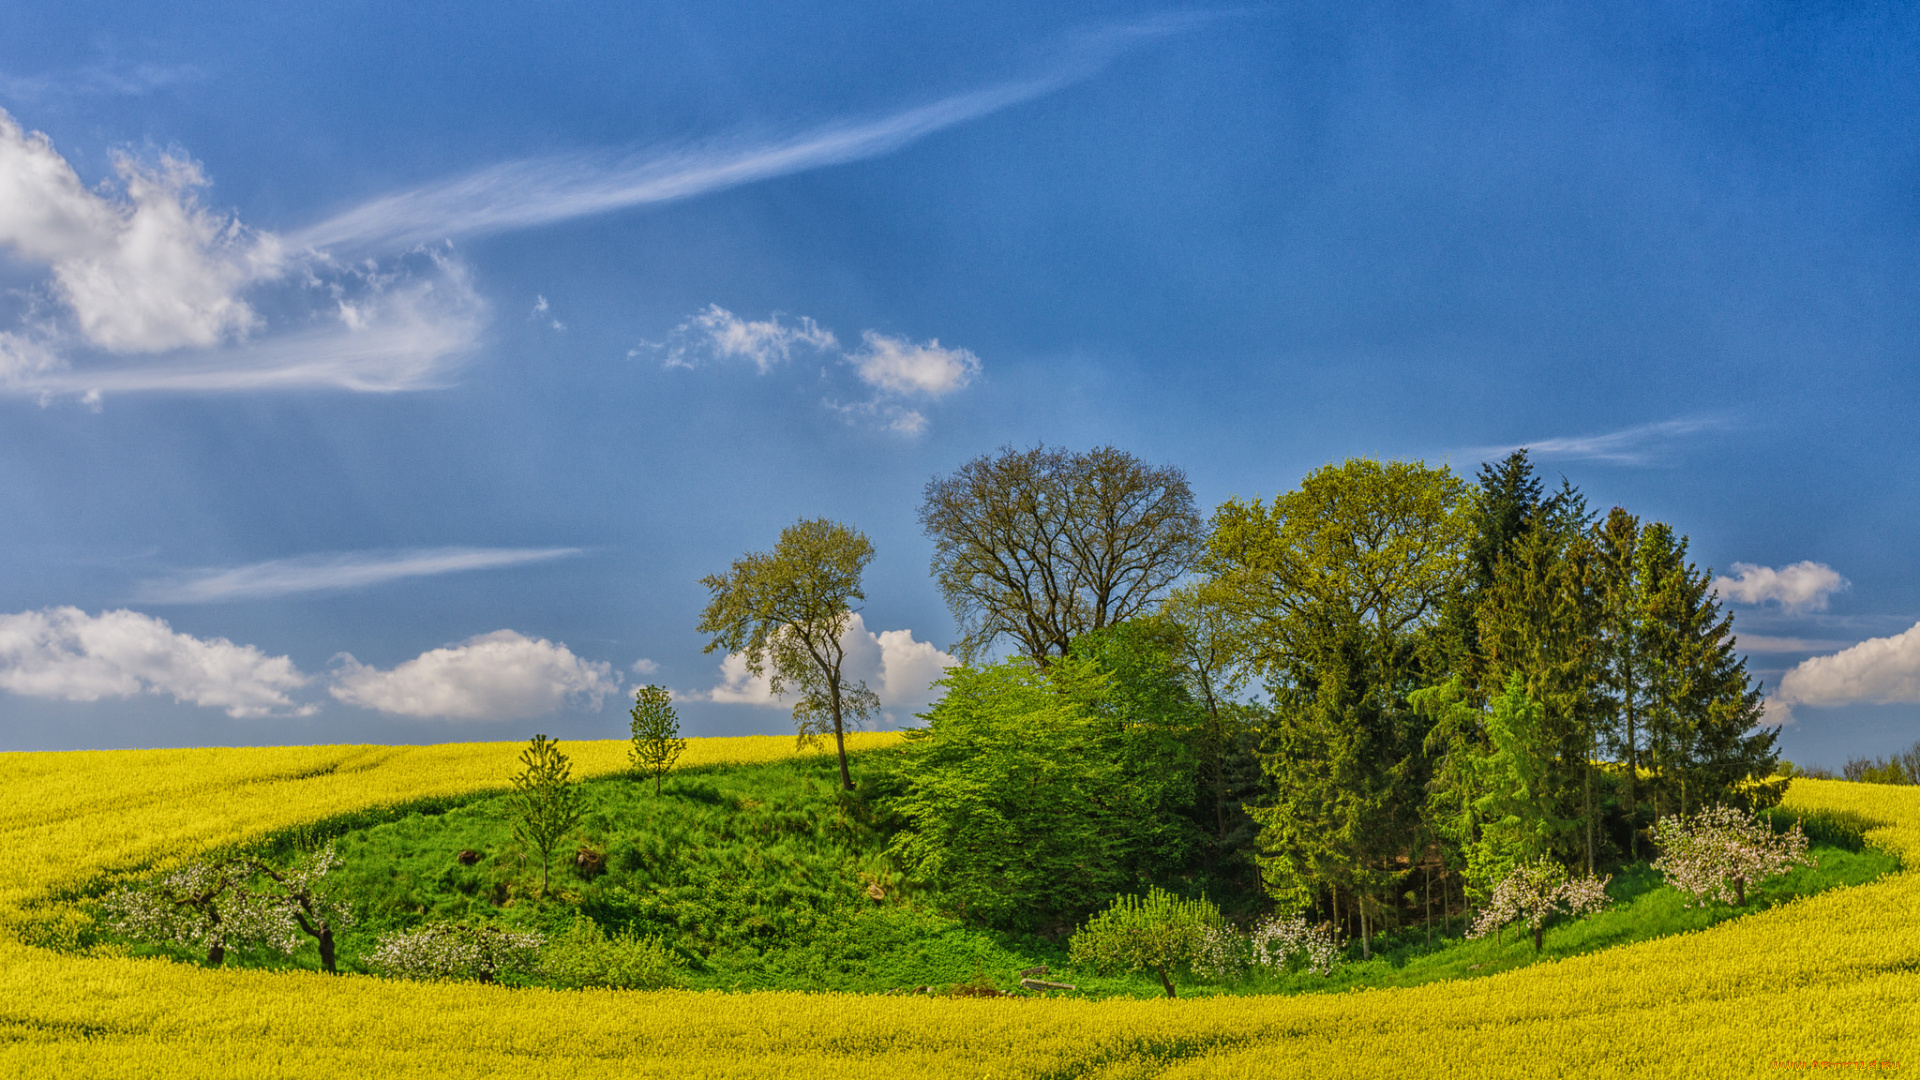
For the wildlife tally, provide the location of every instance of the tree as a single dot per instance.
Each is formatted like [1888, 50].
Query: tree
[1622, 641]
[206, 904]
[1044, 545]
[656, 733]
[545, 803]
[1340, 585]
[1210, 648]
[236, 901]
[1159, 933]
[1717, 853]
[1539, 620]
[1489, 791]
[1021, 803]
[1700, 708]
[303, 898]
[787, 612]
[1533, 892]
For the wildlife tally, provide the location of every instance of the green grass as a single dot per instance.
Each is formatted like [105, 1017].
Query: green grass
[759, 877]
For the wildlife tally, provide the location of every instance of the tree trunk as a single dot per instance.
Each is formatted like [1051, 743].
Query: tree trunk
[839, 734]
[1366, 944]
[1429, 868]
[1536, 939]
[216, 955]
[1740, 892]
[326, 950]
[1164, 981]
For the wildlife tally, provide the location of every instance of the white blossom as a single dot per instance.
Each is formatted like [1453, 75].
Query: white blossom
[1717, 853]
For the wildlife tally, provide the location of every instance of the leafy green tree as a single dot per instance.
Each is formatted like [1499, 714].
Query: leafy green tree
[1044, 545]
[656, 733]
[787, 612]
[1210, 649]
[1340, 585]
[1033, 796]
[545, 803]
[1159, 933]
[1489, 791]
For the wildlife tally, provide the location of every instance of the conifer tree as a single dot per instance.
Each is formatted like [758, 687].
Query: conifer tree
[1701, 707]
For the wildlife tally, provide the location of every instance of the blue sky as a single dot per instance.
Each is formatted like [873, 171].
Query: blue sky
[376, 374]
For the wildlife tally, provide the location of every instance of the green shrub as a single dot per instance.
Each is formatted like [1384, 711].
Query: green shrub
[586, 956]
[1158, 933]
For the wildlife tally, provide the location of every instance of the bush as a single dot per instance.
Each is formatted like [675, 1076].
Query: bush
[1717, 853]
[1277, 945]
[1158, 933]
[456, 951]
[586, 956]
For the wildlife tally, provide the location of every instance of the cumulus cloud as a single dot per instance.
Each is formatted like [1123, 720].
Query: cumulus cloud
[892, 664]
[898, 366]
[65, 653]
[644, 666]
[1877, 671]
[326, 573]
[499, 676]
[1803, 586]
[142, 269]
[151, 291]
[714, 333]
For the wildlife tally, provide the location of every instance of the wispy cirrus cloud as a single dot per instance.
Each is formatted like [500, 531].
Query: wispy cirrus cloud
[1641, 444]
[541, 191]
[105, 78]
[329, 573]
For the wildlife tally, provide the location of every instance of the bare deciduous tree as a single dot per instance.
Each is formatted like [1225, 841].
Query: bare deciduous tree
[1043, 545]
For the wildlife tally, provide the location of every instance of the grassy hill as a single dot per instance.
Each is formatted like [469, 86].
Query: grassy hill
[767, 876]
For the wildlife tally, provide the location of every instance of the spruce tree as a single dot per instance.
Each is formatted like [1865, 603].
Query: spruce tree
[1701, 707]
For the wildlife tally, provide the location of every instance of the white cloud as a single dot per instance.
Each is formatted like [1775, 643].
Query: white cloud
[499, 676]
[644, 666]
[892, 664]
[143, 269]
[898, 366]
[1878, 671]
[152, 291]
[1803, 586]
[539, 191]
[65, 653]
[1637, 445]
[319, 573]
[544, 310]
[714, 333]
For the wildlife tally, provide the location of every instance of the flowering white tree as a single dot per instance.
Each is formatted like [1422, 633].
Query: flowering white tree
[209, 905]
[1276, 942]
[1533, 892]
[1717, 853]
[456, 951]
[235, 902]
[302, 900]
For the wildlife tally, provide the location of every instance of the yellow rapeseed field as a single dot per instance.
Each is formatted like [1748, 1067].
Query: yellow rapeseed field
[1831, 982]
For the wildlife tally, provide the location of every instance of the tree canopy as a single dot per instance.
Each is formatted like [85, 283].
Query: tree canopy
[787, 612]
[1044, 545]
